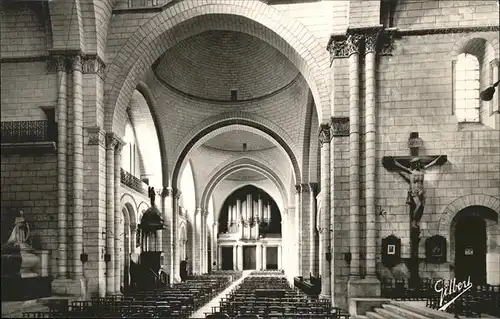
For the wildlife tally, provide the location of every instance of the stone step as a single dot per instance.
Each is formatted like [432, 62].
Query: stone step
[388, 314]
[424, 311]
[404, 312]
[373, 315]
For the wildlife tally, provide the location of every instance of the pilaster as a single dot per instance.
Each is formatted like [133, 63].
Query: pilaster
[111, 143]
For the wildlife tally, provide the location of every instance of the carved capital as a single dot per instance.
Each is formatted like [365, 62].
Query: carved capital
[111, 141]
[60, 63]
[337, 47]
[386, 42]
[119, 145]
[93, 64]
[176, 193]
[339, 126]
[76, 64]
[305, 187]
[313, 187]
[96, 136]
[324, 134]
[297, 189]
[353, 43]
[371, 41]
[165, 192]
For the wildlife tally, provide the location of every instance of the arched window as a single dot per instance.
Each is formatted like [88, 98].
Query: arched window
[467, 87]
[129, 156]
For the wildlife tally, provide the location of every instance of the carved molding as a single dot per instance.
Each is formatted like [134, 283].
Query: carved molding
[314, 187]
[374, 39]
[297, 189]
[324, 134]
[97, 136]
[305, 187]
[339, 126]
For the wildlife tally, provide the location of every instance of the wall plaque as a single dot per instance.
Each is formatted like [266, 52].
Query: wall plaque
[435, 249]
[391, 251]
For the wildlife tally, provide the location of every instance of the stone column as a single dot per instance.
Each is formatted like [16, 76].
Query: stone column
[280, 257]
[117, 214]
[196, 238]
[297, 229]
[235, 257]
[205, 243]
[77, 168]
[239, 217]
[312, 227]
[175, 236]
[219, 256]
[62, 187]
[240, 257]
[258, 253]
[324, 139]
[111, 142]
[353, 42]
[166, 202]
[215, 228]
[264, 257]
[370, 153]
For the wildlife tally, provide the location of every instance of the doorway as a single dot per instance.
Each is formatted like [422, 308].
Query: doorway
[227, 258]
[249, 257]
[272, 258]
[470, 249]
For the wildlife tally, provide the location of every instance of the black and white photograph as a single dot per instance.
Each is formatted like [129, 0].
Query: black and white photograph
[250, 159]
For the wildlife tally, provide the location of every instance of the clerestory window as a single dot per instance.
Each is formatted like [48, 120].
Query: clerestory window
[467, 87]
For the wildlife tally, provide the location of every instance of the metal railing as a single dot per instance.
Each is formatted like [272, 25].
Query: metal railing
[133, 182]
[28, 131]
[147, 3]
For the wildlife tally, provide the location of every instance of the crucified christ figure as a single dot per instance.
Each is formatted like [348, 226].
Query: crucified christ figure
[414, 175]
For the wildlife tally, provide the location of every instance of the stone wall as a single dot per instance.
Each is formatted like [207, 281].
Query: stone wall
[29, 183]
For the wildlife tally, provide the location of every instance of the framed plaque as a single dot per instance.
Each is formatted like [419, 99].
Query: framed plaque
[391, 251]
[435, 249]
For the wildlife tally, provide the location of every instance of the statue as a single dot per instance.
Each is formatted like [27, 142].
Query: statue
[152, 195]
[414, 175]
[21, 232]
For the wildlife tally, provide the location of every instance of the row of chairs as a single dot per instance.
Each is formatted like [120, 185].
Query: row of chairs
[178, 301]
[264, 296]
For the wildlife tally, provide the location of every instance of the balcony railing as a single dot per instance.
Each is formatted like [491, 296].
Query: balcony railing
[133, 182]
[28, 132]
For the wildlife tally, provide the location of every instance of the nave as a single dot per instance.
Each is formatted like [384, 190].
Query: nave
[219, 294]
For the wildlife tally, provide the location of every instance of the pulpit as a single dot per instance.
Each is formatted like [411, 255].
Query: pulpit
[146, 276]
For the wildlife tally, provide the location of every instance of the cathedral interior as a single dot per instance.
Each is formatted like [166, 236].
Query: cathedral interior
[250, 158]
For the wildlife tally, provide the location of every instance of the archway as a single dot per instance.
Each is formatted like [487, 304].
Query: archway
[178, 22]
[474, 234]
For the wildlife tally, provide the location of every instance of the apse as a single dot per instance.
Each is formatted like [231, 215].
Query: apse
[252, 209]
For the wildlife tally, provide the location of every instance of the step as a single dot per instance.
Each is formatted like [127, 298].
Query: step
[424, 311]
[387, 314]
[404, 312]
[373, 315]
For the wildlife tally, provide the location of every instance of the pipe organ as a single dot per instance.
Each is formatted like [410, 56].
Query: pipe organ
[244, 216]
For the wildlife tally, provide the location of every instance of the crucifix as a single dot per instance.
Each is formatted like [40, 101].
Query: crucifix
[412, 168]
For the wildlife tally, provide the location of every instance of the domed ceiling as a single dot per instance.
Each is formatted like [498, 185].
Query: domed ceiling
[234, 140]
[211, 64]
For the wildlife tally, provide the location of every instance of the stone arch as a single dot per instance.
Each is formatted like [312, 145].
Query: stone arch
[143, 206]
[243, 163]
[181, 21]
[451, 211]
[277, 135]
[472, 43]
[152, 105]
